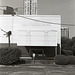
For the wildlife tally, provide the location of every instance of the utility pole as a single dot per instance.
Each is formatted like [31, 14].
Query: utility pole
[8, 35]
[7, 10]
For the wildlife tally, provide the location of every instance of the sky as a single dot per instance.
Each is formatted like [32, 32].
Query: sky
[65, 8]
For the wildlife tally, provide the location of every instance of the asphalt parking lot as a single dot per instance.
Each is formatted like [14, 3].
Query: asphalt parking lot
[37, 69]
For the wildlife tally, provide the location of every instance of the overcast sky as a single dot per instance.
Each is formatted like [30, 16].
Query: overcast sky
[65, 8]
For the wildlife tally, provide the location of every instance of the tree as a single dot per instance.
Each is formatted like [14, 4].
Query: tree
[65, 43]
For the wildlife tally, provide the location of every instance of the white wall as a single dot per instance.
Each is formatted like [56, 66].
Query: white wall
[65, 8]
[6, 25]
[21, 27]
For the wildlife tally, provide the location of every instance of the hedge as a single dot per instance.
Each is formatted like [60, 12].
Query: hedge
[9, 55]
[71, 60]
[64, 60]
[61, 60]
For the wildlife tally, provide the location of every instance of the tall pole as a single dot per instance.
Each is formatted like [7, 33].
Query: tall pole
[8, 35]
[9, 40]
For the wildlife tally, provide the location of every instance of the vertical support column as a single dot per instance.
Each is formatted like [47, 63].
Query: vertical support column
[60, 49]
[55, 50]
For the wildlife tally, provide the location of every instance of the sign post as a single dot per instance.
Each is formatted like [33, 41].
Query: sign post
[34, 58]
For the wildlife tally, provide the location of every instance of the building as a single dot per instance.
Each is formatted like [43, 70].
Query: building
[30, 7]
[65, 32]
[6, 10]
[32, 31]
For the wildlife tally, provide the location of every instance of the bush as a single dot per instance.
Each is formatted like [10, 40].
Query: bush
[61, 60]
[67, 52]
[9, 55]
[65, 60]
[71, 60]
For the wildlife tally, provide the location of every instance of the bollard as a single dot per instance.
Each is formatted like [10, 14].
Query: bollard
[34, 58]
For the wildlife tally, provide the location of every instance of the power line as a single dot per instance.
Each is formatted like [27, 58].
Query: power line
[45, 21]
[37, 20]
[40, 20]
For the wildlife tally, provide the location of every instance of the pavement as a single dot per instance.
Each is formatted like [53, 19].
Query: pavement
[37, 69]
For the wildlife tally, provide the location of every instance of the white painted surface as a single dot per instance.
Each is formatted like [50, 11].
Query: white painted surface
[27, 32]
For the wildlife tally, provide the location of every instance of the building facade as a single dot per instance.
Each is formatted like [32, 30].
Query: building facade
[6, 10]
[65, 32]
[32, 34]
[30, 7]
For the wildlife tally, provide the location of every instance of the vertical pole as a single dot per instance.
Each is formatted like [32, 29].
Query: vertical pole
[33, 58]
[55, 50]
[68, 32]
[9, 40]
[60, 49]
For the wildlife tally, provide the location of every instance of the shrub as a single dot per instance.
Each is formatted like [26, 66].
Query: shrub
[9, 55]
[71, 60]
[61, 60]
[67, 52]
[64, 60]
[68, 44]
